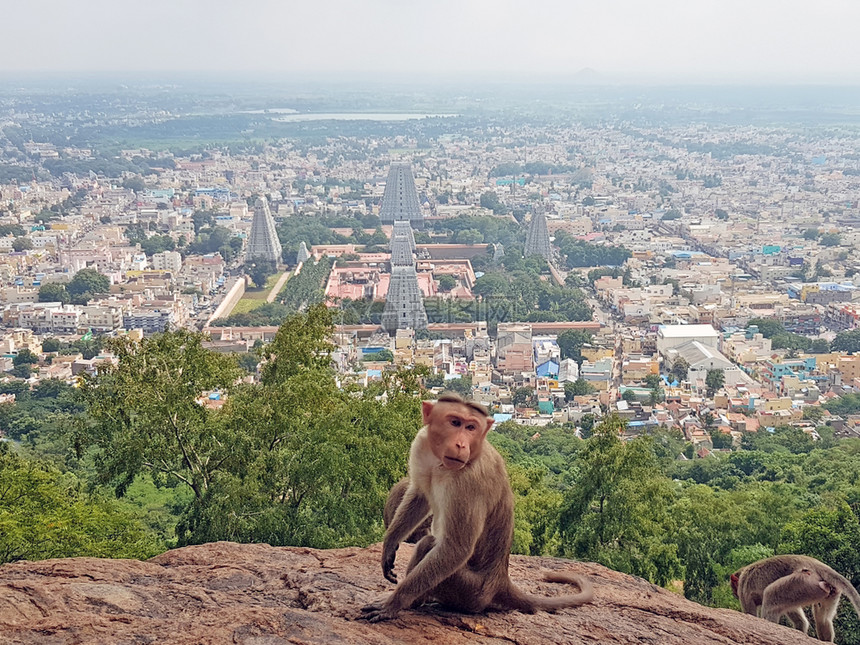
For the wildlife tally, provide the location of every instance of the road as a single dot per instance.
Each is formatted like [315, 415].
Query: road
[278, 286]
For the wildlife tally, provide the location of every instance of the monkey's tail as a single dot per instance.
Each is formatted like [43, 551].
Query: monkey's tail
[848, 589]
[515, 598]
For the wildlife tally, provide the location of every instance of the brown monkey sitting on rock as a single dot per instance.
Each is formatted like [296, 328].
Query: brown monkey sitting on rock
[785, 584]
[456, 476]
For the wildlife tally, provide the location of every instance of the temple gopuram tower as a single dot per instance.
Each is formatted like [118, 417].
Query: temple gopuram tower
[404, 305]
[263, 241]
[400, 199]
[537, 241]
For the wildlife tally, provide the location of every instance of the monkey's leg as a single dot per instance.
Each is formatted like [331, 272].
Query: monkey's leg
[798, 619]
[465, 591]
[750, 602]
[823, 614]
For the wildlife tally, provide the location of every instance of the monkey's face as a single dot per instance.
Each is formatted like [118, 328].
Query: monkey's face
[734, 580]
[456, 433]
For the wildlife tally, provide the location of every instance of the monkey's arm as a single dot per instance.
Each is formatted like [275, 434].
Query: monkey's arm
[411, 512]
[450, 553]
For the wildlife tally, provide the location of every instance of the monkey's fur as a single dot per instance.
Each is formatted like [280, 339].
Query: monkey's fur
[395, 496]
[784, 584]
[459, 478]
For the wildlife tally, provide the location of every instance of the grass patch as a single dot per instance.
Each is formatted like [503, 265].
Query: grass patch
[247, 305]
[256, 294]
[254, 297]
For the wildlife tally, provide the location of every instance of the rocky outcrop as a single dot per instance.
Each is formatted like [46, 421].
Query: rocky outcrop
[254, 594]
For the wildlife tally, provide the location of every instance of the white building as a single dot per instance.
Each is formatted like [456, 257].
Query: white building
[568, 370]
[671, 336]
[167, 261]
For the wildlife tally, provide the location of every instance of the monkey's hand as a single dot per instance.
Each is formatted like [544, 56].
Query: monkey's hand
[378, 611]
[388, 555]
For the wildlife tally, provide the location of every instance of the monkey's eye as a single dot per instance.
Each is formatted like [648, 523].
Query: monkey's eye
[456, 422]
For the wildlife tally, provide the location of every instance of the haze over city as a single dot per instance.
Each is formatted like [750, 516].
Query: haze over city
[769, 41]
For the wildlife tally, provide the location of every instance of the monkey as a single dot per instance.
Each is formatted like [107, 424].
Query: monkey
[784, 584]
[395, 496]
[460, 480]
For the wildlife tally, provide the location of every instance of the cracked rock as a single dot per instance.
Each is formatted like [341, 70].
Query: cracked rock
[254, 594]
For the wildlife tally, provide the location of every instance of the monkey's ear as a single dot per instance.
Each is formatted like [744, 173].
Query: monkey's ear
[490, 422]
[426, 411]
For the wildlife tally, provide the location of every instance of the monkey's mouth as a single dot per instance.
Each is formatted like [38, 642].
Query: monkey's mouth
[452, 462]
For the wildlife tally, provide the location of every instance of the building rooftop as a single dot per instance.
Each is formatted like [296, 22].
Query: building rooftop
[687, 331]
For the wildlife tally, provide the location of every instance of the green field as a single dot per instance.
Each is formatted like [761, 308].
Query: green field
[253, 297]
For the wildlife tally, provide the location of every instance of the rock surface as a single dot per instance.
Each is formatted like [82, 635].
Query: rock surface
[254, 594]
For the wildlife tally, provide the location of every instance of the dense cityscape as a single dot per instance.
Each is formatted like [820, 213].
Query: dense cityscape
[556, 272]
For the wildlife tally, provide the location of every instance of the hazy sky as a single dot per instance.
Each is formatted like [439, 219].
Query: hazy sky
[695, 40]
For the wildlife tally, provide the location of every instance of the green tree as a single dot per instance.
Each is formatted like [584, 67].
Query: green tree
[12, 229]
[655, 384]
[847, 341]
[470, 236]
[652, 381]
[317, 460]
[48, 514]
[144, 414]
[23, 371]
[570, 343]
[135, 183]
[54, 292]
[490, 200]
[86, 284]
[680, 368]
[22, 244]
[25, 356]
[536, 509]
[719, 439]
[628, 395]
[301, 344]
[811, 234]
[51, 345]
[447, 282]
[615, 511]
[767, 327]
[830, 239]
[714, 380]
[712, 524]
[524, 397]
[819, 346]
[790, 341]
[848, 403]
[586, 423]
[384, 355]
[249, 361]
[579, 387]
[462, 385]
[260, 269]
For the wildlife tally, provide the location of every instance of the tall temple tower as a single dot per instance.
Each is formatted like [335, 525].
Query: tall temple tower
[404, 229]
[537, 241]
[263, 241]
[400, 199]
[404, 306]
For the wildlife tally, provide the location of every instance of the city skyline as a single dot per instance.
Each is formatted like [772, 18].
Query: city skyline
[623, 41]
